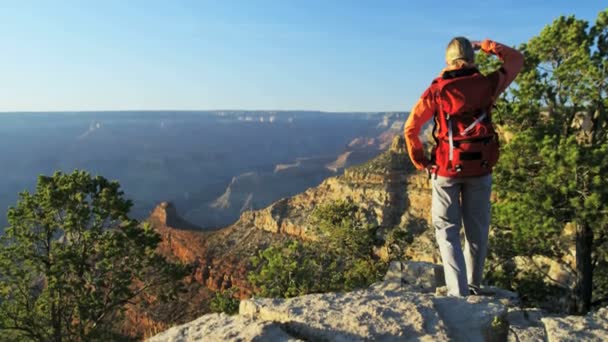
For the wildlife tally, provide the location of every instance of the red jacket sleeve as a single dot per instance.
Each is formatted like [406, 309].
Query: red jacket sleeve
[512, 60]
[422, 112]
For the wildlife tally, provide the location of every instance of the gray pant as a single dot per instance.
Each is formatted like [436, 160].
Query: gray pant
[465, 200]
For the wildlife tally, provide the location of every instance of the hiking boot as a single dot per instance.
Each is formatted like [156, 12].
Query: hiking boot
[474, 290]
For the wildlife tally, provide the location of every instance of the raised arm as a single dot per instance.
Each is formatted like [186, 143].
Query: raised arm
[512, 60]
[421, 113]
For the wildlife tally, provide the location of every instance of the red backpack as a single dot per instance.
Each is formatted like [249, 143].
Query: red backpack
[466, 142]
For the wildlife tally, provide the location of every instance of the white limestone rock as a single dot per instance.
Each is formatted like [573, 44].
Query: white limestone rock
[384, 312]
[386, 315]
[592, 327]
[392, 310]
[472, 318]
[221, 327]
[526, 325]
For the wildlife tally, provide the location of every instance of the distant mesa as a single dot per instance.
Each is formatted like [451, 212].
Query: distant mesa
[340, 162]
[247, 179]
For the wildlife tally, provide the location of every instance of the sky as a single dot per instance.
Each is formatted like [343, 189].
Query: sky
[330, 55]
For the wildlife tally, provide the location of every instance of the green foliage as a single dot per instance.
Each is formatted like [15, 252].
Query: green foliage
[398, 238]
[345, 229]
[363, 272]
[388, 161]
[285, 270]
[71, 259]
[340, 260]
[224, 301]
[550, 174]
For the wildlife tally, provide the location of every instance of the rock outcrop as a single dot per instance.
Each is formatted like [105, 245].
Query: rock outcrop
[593, 327]
[392, 310]
[221, 327]
[179, 241]
[166, 214]
[387, 311]
[218, 258]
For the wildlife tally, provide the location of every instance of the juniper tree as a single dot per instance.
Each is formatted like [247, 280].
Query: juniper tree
[71, 260]
[551, 173]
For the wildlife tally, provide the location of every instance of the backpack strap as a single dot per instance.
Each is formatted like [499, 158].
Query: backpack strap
[435, 115]
[472, 125]
[442, 82]
[450, 139]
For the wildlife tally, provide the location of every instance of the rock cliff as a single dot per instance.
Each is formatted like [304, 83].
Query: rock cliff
[180, 240]
[219, 258]
[385, 185]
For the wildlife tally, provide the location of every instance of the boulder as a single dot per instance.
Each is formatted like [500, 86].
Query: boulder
[592, 327]
[526, 325]
[221, 327]
[418, 276]
[387, 311]
[473, 318]
[382, 313]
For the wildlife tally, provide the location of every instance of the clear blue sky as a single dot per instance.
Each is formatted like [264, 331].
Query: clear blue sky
[334, 55]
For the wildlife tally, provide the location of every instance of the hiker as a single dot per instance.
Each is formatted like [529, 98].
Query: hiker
[466, 148]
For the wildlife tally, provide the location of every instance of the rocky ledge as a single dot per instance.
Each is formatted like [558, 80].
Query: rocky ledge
[408, 305]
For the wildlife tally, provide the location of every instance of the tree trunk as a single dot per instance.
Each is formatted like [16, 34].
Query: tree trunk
[56, 321]
[584, 269]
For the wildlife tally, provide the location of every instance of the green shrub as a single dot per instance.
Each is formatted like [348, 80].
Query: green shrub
[225, 302]
[362, 273]
[340, 260]
[345, 229]
[285, 270]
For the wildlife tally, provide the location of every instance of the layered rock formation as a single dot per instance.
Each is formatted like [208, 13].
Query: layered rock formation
[392, 310]
[219, 259]
[385, 186]
[258, 189]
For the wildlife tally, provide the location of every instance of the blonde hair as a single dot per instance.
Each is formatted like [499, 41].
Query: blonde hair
[459, 51]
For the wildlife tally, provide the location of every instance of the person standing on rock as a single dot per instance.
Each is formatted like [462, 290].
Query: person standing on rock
[466, 150]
